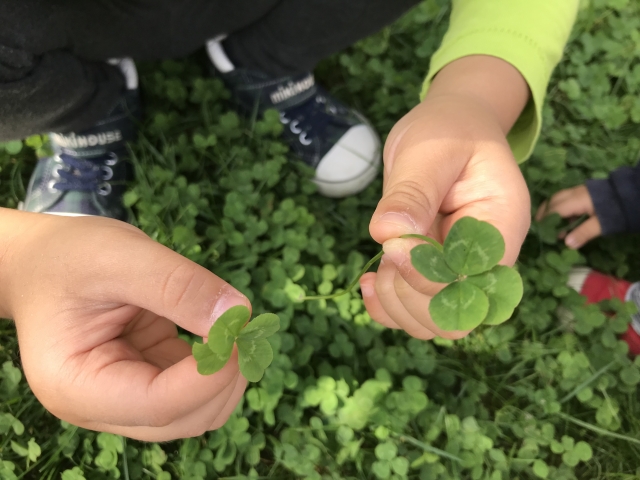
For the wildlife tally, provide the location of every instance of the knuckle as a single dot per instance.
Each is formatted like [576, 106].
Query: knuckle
[456, 335]
[159, 412]
[421, 333]
[414, 195]
[384, 288]
[402, 288]
[379, 316]
[59, 411]
[181, 285]
[384, 284]
[580, 235]
[219, 422]
[413, 284]
[53, 391]
[195, 430]
[159, 418]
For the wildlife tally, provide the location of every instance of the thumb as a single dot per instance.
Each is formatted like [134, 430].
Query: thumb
[151, 276]
[589, 230]
[415, 186]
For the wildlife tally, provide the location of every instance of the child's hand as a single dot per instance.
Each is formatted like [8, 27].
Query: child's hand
[574, 202]
[96, 303]
[446, 159]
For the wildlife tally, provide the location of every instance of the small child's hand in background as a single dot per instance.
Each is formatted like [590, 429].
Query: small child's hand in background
[96, 303]
[573, 202]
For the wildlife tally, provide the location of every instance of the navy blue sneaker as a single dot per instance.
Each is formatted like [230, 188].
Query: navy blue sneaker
[88, 172]
[335, 140]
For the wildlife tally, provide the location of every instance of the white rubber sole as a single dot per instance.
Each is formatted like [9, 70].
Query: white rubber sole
[348, 187]
[351, 164]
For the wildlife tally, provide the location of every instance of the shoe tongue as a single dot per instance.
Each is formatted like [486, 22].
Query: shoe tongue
[287, 92]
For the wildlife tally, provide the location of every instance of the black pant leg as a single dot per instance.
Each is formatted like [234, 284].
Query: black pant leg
[52, 52]
[153, 29]
[296, 34]
[55, 92]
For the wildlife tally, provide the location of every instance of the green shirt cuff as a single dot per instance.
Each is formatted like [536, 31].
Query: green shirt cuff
[524, 55]
[530, 35]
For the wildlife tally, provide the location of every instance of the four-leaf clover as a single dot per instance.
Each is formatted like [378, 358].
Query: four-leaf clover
[479, 290]
[254, 350]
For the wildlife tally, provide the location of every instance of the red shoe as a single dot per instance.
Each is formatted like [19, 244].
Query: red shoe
[596, 286]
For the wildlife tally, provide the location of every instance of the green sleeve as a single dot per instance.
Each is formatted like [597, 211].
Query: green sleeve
[529, 34]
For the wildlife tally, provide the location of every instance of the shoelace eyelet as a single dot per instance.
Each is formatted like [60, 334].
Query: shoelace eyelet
[107, 173]
[294, 127]
[104, 189]
[55, 172]
[112, 160]
[283, 119]
[304, 140]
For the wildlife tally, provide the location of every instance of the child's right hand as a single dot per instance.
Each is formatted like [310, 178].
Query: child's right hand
[573, 202]
[96, 303]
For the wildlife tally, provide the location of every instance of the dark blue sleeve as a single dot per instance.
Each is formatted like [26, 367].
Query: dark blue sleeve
[617, 200]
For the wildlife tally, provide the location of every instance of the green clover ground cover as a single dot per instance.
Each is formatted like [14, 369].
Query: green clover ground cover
[548, 394]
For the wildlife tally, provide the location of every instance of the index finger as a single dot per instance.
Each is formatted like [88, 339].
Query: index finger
[398, 250]
[569, 202]
[542, 211]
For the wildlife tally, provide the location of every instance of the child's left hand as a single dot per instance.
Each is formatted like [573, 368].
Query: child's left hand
[446, 159]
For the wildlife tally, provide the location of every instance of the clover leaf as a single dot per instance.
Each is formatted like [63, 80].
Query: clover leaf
[473, 246]
[226, 328]
[482, 291]
[262, 326]
[13, 147]
[254, 356]
[209, 362]
[459, 306]
[503, 287]
[254, 351]
[429, 261]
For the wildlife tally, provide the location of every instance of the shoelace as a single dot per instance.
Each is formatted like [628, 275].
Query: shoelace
[308, 116]
[84, 175]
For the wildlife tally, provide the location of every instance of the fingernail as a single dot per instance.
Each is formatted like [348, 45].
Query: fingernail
[571, 242]
[227, 297]
[366, 289]
[401, 221]
[394, 250]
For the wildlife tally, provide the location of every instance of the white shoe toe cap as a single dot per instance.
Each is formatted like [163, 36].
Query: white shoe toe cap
[351, 165]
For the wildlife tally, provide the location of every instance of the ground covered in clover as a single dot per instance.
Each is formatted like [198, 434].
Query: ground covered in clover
[549, 394]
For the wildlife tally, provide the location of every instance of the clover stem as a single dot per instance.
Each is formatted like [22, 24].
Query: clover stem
[351, 285]
[430, 240]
